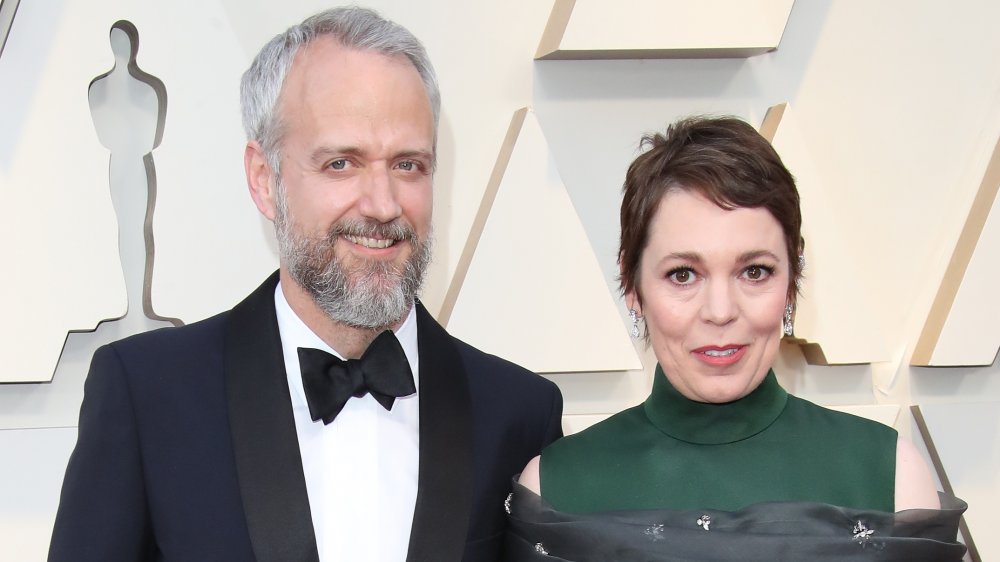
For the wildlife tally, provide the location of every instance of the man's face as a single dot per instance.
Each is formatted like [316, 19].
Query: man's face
[353, 207]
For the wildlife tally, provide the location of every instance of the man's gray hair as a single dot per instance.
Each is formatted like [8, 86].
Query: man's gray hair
[353, 27]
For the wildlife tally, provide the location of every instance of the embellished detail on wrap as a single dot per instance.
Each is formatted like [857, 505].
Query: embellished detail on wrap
[780, 531]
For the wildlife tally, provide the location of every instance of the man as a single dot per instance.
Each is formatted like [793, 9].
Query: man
[234, 438]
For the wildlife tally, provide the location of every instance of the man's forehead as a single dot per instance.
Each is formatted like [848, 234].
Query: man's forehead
[328, 50]
[336, 97]
[325, 69]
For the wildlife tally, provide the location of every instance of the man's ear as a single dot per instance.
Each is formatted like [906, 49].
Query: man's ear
[260, 180]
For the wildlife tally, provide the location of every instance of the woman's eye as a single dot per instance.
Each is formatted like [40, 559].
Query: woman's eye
[339, 164]
[757, 272]
[681, 276]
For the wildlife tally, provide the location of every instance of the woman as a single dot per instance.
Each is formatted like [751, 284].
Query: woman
[720, 463]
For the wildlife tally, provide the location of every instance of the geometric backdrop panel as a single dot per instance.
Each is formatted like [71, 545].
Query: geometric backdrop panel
[962, 326]
[970, 472]
[529, 287]
[634, 29]
[58, 239]
[835, 318]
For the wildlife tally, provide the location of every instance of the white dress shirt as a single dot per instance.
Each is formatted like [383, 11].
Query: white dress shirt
[361, 470]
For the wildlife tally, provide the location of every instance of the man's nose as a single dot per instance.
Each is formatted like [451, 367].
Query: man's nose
[378, 200]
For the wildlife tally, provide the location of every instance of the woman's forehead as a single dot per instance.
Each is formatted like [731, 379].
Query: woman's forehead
[687, 222]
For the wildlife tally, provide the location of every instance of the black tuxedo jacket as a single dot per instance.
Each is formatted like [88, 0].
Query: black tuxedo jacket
[187, 448]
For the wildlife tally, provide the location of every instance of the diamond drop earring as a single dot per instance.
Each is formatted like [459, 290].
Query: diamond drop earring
[788, 329]
[634, 317]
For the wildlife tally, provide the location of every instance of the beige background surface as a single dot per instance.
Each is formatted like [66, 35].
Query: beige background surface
[897, 102]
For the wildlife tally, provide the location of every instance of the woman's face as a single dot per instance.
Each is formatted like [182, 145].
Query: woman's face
[713, 285]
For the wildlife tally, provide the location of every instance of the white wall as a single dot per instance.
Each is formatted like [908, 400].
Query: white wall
[899, 102]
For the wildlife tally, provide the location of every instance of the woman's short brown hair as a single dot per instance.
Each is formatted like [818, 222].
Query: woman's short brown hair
[723, 159]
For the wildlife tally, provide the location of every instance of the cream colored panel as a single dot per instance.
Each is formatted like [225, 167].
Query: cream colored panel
[30, 479]
[575, 423]
[63, 237]
[212, 246]
[57, 404]
[835, 321]
[599, 29]
[125, 104]
[59, 235]
[971, 334]
[533, 292]
[886, 414]
[963, 440]
[962, 327]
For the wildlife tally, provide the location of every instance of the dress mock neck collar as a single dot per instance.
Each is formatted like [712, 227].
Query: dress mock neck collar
[713, 424]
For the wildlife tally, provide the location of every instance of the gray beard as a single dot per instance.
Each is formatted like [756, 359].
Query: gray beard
[374, 295]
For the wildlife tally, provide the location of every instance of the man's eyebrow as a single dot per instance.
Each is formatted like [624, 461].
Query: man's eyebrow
[421, 154]
[323, 153]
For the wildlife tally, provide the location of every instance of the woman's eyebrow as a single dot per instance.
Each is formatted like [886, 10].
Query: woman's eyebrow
[754, 255]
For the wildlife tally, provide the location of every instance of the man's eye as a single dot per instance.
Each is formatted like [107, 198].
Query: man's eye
[339, 164]
[682, 276]
[407, 165]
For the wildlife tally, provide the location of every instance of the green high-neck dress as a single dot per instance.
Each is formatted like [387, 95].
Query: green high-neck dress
[674, 453]
[769, 477]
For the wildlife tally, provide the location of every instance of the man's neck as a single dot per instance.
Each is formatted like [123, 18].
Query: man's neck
[349, 341]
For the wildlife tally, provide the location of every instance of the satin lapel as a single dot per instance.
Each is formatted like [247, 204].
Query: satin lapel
[265, 445]
[444, 492]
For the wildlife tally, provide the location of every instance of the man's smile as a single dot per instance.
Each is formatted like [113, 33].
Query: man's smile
[376, 243]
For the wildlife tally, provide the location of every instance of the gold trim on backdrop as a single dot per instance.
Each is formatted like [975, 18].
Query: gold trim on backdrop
[923, 352]
[562, 10]
[8, 9]
[479, 223]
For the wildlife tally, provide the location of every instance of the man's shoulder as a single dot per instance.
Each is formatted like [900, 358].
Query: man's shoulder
[167, 360]
[174, 340]
[259, 304]
[513, 401]
[481, 363]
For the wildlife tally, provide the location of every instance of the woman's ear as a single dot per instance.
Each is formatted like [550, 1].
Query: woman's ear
[633, 302]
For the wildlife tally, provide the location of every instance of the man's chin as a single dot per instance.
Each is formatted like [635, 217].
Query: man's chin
[371, 312]
[381, 284]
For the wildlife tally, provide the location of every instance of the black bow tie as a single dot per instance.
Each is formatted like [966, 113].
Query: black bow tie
[329, 382]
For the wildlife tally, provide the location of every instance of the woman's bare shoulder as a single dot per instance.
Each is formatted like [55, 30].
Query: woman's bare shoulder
[915, 487]
[530, 477]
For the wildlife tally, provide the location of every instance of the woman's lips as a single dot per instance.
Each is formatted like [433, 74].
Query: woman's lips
[720, 355]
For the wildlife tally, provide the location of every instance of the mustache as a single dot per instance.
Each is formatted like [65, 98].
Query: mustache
[395, 230]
